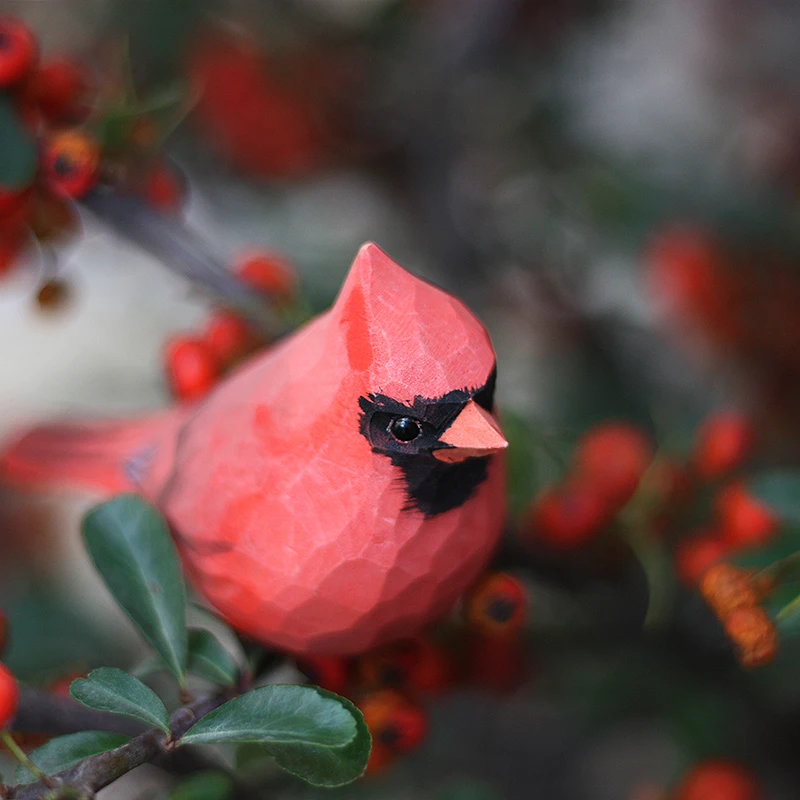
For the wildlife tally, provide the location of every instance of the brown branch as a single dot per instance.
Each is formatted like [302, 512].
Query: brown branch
[96, 772]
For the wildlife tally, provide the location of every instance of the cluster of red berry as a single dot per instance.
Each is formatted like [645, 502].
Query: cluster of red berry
[195, 364]
[392, 683]
[737, 521]
[267, 115]
[63, 124]
[609, 462]
[699, 508]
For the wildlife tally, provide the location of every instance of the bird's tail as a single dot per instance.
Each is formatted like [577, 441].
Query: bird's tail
[94, 455]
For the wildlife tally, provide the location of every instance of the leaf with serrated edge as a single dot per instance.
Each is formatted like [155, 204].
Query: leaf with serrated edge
[115, 691]
[64, 752]
[130, 545]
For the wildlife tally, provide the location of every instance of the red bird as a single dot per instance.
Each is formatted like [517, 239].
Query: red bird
[341, 489]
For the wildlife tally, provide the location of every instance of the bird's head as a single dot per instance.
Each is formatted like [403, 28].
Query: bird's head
[426, 370]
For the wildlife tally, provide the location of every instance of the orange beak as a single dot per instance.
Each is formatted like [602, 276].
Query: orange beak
[474, 433]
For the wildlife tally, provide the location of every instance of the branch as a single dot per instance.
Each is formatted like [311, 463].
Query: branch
[96, 772]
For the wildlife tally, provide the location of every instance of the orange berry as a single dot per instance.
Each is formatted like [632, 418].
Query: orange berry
[60, 87]
[567, 515]
[268, 273]
[329, 672]
[496, 606]
[229, 337]
[695, 556]
[613, 456]
[726, 588]
[744, 521]
[722, 444]
[9, 696]
[754, 634]
[17, 52]
[164, 188]
[192, 370]
[393, 721]
[71, 162]
[718, 780]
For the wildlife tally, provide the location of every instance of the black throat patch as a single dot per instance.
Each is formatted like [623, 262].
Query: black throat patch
[432, 486]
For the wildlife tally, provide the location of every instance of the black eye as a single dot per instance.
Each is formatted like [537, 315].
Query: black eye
[404, 429]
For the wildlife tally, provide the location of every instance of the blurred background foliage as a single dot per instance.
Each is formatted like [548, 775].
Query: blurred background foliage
[612, 186]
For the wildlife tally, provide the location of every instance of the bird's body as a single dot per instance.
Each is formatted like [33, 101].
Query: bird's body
[338, 491]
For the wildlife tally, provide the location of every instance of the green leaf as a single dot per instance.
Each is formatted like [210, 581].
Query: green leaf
[66, 751]
[110, 689]
[205, 785]
[209, 659]
[314, 734]
[780, 491]
[130, 544]
[17, 149]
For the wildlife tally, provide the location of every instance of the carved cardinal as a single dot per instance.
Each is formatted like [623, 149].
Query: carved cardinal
[341, 489]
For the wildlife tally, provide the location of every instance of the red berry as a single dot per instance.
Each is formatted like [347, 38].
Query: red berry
[60, 87]
[61, 685]
[722, 444]
[744, 521]
[394, 722]
[329, 672]
[496, 606]
[253, 110]
[14, 227]
[268, 273]
[613, 456]
[418, 666]
[9, 697]
[431, 670]
[191, 368]
[70, 163]
[718, 780]
[688, 271]
[229, 337]
[10, 200]
[163, 188]
[17, 51]
[569, 514]
[693, 557]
